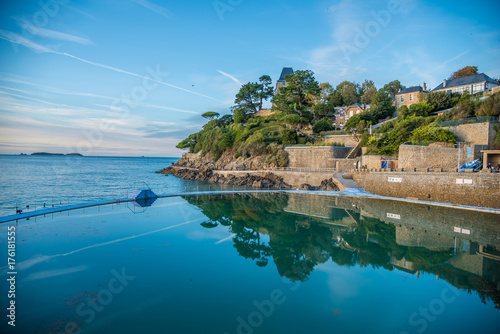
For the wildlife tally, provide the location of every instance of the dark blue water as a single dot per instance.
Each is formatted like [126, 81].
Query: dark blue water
[269, 263]
[59, 180]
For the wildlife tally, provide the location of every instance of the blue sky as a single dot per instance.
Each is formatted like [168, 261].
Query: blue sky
[132, 77]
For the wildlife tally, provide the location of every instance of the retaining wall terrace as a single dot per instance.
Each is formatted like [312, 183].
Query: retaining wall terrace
[318, 157]
[477, 133]
[347, 140]
[476, 189]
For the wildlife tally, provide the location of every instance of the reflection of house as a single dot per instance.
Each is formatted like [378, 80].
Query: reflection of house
[403, 264]
[344, 113]
[472, 84]
[410, 95]
[282, 81]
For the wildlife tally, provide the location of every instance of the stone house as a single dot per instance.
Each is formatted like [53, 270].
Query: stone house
[281, 81]
[342, 114]
[410, 95]
[472, 84]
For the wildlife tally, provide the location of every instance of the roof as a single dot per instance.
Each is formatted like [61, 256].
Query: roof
[359, 105]
[286, 71]
[410, 89]
[471, 79]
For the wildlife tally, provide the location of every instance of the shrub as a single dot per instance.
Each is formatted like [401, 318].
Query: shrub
[432, 133]
[278, 157]
[322, 125]
[289, 137]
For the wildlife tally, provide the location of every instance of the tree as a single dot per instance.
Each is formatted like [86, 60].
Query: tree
[393, 87]
[323, 124]
[239, 116]
[322, 105]
[335, 99]
[265, 89]
[421, 109]
[369, 95]
[440, 100]
[210, 115]
[249, 97]
[350, 92]
[464, 72]
[300, 92]
[366, 85]
[381, 106]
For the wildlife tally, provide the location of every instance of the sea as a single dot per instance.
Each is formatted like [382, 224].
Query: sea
[234, 262]
[30, 182]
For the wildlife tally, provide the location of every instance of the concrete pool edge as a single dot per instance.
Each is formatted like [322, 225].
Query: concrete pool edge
[350, 192]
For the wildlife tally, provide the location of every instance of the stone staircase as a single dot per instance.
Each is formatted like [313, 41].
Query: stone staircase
[354, 152]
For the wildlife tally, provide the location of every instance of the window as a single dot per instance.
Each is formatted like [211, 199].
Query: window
[476, 88]
[411, 97]
[402, 98]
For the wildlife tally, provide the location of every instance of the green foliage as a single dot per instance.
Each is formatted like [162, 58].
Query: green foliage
[421, 109]
[490, 106]
[350, 92]
[381, 106]
[278, 157]
[210, 115]
[323, 124]
[441, 100]
[432, 133]
[401, 133]
[189, 142]
[293, 119]
[393, 87]
[227, 140]
[301, 140]
[289, 137]
[248, 98]
[300, 92]
[239, 115]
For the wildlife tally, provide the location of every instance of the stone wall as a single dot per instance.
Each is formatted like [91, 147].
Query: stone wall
[347, 140]
[476, 189]
[413, 156]
[477, 133]
[373, 161]
[316, 157]
[295, 178]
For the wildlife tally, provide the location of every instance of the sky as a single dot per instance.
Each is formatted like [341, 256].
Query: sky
[132, 77]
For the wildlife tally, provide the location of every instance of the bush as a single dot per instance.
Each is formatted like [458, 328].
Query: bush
[421, 109]
[301, 140]
[293, 119]
[278, 157]
[289, 137]
[430, 134]
[322, 125]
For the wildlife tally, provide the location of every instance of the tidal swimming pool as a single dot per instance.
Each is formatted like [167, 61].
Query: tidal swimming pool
[256, 263]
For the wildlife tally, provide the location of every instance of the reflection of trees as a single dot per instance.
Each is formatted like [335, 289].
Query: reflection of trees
[297, 244]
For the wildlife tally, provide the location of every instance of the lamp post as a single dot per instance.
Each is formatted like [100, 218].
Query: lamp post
[458, 163]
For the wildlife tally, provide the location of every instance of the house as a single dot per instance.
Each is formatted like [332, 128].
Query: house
[342, 114]
[410, 95]
[472, 84]
[282, 81]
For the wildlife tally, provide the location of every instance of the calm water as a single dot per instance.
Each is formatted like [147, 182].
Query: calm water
[270, 263]
[58, 180]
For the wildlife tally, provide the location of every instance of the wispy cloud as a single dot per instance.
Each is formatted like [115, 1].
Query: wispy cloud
[28, 26]
[155, 8]
[230, 77]
[18, 39]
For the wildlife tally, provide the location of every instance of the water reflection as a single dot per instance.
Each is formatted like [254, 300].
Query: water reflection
[302, 231]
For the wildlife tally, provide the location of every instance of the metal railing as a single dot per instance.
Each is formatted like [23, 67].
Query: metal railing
[469, 120]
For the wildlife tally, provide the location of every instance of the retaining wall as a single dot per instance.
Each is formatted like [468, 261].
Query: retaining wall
[318, 157]
[294, 178]
[476, 189]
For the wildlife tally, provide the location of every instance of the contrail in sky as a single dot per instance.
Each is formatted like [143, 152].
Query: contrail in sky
[230, 77]
[18, 39]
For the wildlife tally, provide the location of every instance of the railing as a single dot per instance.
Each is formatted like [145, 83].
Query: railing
[469, 120]
[419, 170]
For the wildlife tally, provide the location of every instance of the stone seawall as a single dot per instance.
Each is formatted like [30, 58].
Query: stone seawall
[476, 189]
[294, 178]
[318, 157]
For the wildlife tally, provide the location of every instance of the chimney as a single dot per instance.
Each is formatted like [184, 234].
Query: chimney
[444, 83]
[424, 87]
[363, 106]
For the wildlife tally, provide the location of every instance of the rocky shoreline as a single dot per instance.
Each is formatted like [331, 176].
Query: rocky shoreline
[269, 180]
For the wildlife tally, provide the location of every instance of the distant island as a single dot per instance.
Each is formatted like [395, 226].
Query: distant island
[45, 153]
